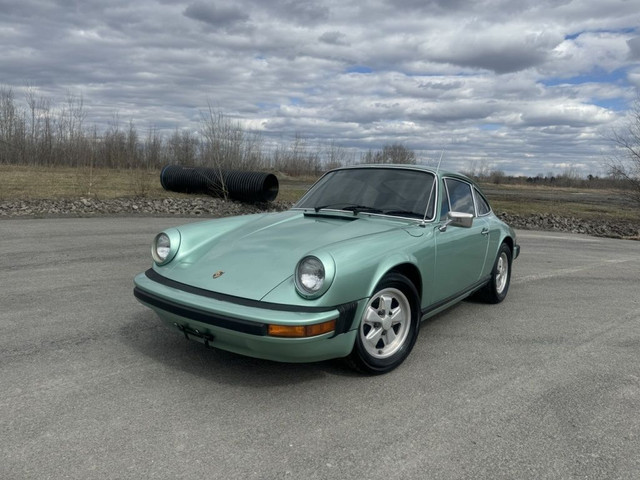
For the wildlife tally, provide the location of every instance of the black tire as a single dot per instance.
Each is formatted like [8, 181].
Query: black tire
[495, 291]
[388, 328]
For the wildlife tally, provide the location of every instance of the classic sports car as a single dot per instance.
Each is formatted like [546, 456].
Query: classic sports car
[350, 271]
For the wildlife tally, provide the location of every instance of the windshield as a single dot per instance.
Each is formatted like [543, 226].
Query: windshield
[388, 191]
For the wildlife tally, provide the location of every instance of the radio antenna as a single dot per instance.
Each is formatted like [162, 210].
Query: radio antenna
[440, 161]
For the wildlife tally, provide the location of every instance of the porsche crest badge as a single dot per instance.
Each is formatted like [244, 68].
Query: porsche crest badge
[218, 274]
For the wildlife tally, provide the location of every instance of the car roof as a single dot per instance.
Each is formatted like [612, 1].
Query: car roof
[424, 168]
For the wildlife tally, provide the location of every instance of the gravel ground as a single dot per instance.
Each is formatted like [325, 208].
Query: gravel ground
[91, 207]
[599, 228]
[214, 207]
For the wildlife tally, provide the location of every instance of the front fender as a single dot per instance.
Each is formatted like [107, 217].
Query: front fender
[358, 269]
[199, 237]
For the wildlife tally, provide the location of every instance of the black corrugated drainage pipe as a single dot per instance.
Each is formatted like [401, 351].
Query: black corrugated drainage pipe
[238, 185]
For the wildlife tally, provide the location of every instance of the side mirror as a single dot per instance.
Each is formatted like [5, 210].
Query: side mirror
[458, 219]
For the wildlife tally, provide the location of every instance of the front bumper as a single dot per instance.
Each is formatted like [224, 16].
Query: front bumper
[241, 326]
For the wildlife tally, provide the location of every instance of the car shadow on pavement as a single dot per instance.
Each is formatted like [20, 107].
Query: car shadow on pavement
[146, 334]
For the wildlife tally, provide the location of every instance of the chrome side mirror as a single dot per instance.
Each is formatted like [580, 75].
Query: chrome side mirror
[457, 219]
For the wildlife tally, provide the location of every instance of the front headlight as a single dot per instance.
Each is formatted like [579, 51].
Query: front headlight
[310, 275]
[165, 246]
[162, 248]
[313, 276]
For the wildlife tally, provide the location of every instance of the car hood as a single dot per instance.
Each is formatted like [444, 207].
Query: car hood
[252, 259]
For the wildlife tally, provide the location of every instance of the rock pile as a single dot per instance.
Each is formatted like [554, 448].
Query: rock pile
[598, 228]
[215, 207]
[90, 207]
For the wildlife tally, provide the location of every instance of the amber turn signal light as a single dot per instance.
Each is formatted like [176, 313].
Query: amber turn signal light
[301, 331]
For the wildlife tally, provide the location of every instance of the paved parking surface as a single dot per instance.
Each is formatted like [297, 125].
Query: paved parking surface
[544, 385]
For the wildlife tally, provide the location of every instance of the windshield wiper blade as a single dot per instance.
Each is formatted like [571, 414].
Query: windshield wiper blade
[354, 208]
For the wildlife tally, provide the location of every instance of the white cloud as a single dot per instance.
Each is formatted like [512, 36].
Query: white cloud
[527, 85]
[605, 51]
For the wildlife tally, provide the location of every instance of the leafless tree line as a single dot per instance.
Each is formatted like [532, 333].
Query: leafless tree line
[35, 132]
[570, 177]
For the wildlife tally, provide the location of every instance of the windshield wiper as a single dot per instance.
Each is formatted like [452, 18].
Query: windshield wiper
[354, 208]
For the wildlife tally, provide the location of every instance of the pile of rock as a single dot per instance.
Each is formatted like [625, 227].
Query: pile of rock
[599, 228]
[215, 207]
[88, 207]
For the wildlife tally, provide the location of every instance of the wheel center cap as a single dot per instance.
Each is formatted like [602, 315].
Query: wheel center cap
[386, 323]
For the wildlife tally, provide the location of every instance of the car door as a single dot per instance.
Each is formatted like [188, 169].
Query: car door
[483, 211]
[460, 252]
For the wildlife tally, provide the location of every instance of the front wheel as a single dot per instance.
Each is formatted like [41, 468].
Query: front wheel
[496, 290]
[389, 326]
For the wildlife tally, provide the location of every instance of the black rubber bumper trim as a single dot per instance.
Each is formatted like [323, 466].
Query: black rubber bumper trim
[252, 328]
[345, 320]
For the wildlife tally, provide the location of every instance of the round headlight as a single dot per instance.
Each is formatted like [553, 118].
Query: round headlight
[310, 275]
[161, 248]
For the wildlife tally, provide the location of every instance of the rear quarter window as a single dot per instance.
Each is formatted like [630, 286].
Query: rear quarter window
[481, 203]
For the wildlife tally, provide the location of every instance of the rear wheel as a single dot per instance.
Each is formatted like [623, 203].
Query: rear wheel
[496, 290]
[389, 326]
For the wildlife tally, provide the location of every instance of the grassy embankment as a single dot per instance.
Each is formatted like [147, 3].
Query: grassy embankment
[18, 182]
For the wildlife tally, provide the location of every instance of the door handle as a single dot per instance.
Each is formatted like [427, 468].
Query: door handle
[485, 231]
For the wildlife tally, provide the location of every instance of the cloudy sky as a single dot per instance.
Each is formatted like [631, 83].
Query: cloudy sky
[524, 86]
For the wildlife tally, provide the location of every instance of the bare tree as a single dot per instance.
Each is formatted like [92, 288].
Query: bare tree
[478, 169]
[12, 129]
[182, 148]
[391, 153]
[297, 158]
[398, 153]
[223, 140]
[152, 150]
[625, 163]
[72, 144]
[336, 156]
[40, 142]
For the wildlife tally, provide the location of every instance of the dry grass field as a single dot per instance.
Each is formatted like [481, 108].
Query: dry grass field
[19, 182]
[583, 203]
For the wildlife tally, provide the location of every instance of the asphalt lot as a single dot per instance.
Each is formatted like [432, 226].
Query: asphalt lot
[543, 386]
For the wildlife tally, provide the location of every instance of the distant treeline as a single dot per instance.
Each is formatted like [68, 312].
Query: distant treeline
[36, 133]
[569, 178]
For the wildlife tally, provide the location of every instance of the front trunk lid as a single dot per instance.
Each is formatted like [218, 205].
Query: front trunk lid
[252, 259]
